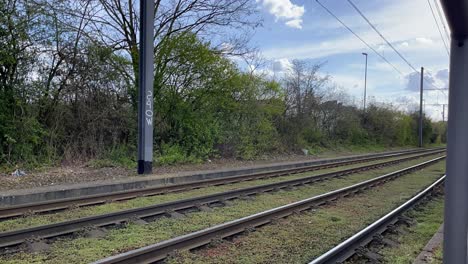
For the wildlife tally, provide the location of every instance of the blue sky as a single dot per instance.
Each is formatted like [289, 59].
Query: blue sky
[300, 29]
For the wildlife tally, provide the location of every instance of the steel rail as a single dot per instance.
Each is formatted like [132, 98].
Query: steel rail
[160, 251]
[16, 237]
[62, 204]
[349, 247]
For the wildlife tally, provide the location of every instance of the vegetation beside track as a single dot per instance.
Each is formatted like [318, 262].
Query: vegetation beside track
[35, 220]
[83, 249]
[438, 256]
[428, 219]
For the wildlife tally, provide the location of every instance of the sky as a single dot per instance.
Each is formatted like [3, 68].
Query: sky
[302, 29]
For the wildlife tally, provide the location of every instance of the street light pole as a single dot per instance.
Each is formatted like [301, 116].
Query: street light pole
[365, 82]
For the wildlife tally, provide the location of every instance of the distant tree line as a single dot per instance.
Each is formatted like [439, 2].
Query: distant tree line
[69, 69]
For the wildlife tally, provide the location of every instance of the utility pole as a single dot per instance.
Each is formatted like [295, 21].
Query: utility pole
[365, 82]
[443, 113]
[145, 88]
[421, 109]
[443, 122]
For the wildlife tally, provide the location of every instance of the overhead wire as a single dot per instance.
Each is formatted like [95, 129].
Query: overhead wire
[442, 19]
[382, 57]
[391, 45]
[438, 27]
[357, 36]
[378, 54]
[380, 34]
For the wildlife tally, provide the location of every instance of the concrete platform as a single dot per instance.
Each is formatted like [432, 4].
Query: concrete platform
[16, 197]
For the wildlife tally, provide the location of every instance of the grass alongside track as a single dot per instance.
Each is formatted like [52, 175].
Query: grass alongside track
[301, 238]
[36, 220]
[438, 257]
[428, 220]
[83, 250]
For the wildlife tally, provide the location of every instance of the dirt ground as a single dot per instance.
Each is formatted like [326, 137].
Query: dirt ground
[83, 173]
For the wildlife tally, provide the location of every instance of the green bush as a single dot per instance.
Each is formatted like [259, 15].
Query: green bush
[174, 154]
[118, 156]
[312, 136]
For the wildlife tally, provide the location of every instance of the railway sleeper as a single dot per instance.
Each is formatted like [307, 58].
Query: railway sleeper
[372, 257]
[139, 221]
[275, 220]
[216, 241]
[175, 214]
[385, 241]
[253, 228]
[247, 197]
[405, 220]
[226, 202]
[204, 208]
[37, 245]
[95, 232]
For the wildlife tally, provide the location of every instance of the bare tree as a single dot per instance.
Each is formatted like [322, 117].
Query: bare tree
[58, 47]
[302, 84]
[116, 23]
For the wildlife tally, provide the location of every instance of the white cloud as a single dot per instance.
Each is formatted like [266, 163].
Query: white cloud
[295, 23]
[403, 44]
[282, 65]
[352, 84]
[415, 36]
[443, 76]
[285, 10]
[431, 81]
[424, 40]
[263, 72]
[381, 48]
[414, 81]
[313, 50]
[275, 69]
[227, 47]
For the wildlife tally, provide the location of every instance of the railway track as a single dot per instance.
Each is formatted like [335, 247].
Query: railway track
[356, 244]
[12, 238]
[63, 204]
[160, 251]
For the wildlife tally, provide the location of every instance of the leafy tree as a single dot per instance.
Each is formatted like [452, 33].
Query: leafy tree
[68, 71]
[20, 132]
